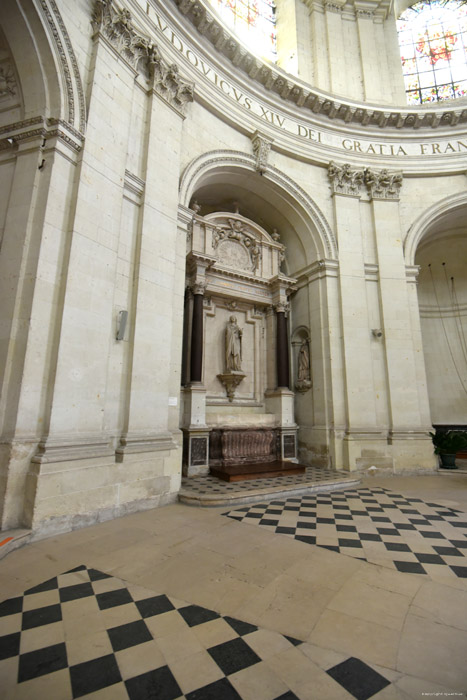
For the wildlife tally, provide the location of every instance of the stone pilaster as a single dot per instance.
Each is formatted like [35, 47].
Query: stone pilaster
[411, 445]
[361, 430]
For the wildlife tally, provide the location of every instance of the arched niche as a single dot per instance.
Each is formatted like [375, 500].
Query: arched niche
[44, 61]
[228, 181]
[437, 244]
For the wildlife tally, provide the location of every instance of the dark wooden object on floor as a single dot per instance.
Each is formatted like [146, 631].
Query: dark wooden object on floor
[242, 472]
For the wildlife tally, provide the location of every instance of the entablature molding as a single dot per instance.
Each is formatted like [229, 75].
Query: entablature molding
[290, 89]
[40, 127]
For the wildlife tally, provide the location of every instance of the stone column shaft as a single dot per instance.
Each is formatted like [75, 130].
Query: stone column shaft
[196, 360]
[283, 379]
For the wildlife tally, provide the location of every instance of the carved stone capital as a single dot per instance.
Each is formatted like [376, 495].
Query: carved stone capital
[261, 148]
[282, 307]
[116, 25]
[383, 184]
[345, 179]
[198, 287]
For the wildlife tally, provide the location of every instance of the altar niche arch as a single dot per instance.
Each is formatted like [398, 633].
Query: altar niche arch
[437, 246]
[258, 249]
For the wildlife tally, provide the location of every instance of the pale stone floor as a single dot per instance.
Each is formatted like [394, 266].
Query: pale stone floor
[184, 602]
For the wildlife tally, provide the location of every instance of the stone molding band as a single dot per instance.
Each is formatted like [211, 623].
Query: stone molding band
[291, 90]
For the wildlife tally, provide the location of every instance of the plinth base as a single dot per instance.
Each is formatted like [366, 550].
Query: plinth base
[242, 472]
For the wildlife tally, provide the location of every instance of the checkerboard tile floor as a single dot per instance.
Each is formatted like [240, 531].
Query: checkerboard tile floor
[84, 634]
[372, 524]
[212, 485]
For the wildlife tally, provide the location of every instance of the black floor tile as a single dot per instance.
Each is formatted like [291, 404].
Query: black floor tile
[432, 535]
[9, 645]
[397, 547]
[409, 567]
[80, 590]
[81, 567]
[129, 635]
[370, 537]
[331, 547]
[461, 544]
[404, 526]
[110, 599]
[285, 530]
[306, 525]
[346, 542]
[292, 640]
[233, 656]
[240, 627]
[460, 571]
[424, 558]
[195, 615]
[358, 679]
[219, 690]
[388, 531]
[309, 539]
[326, 521]
[95, 575]
[156, 605]
[12, 606]
[49, 585]
[287, 696]
[41, 662]
[94, 675]
[448, 551]
[346, 528]
[158, 685]
[41, 616]
[266, 521]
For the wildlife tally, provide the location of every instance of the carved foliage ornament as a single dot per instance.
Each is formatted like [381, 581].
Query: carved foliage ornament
[7, 81]
[345, 179]
[237, 232]
[381, 184]
[117, 27]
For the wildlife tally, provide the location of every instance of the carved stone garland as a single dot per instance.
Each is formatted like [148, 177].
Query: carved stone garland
[237, 232]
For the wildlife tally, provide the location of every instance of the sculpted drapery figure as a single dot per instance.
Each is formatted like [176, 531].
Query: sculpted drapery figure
[303, 362]
[233, 346]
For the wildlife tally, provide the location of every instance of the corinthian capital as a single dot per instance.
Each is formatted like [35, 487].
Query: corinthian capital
[345, 179]
[116, 25]
[383, 184]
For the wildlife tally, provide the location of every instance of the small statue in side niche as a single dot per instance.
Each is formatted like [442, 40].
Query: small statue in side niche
[303, 382]
[233, 346]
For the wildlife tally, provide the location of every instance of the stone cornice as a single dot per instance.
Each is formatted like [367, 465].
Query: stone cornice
[326, 105]
[13, 134]
[116, 26]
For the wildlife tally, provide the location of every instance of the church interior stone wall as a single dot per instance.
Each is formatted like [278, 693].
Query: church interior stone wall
[122, 125]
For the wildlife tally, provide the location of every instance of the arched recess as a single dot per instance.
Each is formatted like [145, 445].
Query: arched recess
[273, 200]
[437, 244]
[45, 61]
[431, 220]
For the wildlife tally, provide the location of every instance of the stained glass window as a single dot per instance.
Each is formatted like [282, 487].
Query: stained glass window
[253, 21]
[433, 46]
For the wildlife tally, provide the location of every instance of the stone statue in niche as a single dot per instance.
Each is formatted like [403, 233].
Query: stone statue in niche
[303, 382]
[233, 374]
[233, 346]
